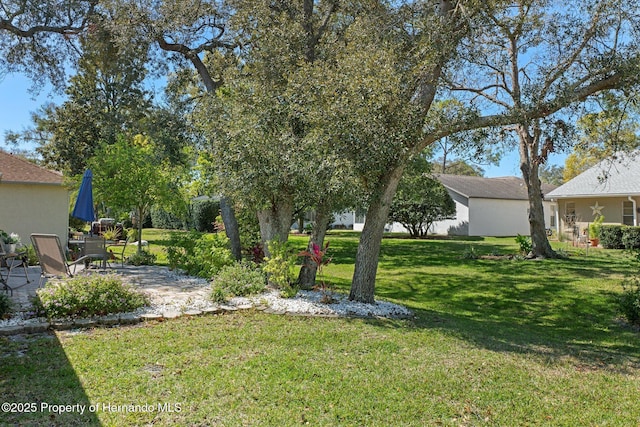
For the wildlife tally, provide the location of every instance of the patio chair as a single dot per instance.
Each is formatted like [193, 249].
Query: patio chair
[53, 262]
[116, 250]
[10, 261]
[94, 248]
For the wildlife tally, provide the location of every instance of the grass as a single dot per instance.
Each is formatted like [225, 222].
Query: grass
[494, 342]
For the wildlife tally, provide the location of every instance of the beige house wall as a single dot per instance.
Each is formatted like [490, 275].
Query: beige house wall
[611, 209]
[34, 208]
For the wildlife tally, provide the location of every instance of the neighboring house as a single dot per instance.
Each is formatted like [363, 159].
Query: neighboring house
[32, 199]
[611, 189]
[485, 207]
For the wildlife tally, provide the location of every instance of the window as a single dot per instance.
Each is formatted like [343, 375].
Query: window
[627, 213]
[570, 213]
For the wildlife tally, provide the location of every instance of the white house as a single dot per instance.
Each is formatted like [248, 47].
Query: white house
[32, 199]
[610, 188]
[484, 207]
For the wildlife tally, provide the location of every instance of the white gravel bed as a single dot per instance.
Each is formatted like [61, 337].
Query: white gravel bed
[192, 293]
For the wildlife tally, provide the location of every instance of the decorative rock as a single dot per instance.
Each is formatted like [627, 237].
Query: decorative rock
[171, 314]
[84, 323]
[62, 325]
[212, 310]
[11, 330]
[228, 308]
[36, 327]
[108, 320]
[244, 306]
[129, 319]
[150, 316]
[192, 313]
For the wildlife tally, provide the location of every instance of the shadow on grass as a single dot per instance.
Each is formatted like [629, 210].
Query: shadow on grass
[54, 395]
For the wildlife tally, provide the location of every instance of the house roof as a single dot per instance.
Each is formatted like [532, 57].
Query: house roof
[16, 170]
[508, 187]
[619, 177]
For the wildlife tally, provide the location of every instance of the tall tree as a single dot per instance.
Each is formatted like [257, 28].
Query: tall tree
[104, 98]
[531, 61]
[184, 30]
[38, 37]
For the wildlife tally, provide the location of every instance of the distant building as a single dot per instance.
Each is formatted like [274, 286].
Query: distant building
[484, 207]
[610, 188]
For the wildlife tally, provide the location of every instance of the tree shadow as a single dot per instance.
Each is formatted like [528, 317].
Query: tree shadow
[38, 380]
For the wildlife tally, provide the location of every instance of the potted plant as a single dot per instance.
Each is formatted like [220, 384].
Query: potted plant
[10, 240]
[594, 230]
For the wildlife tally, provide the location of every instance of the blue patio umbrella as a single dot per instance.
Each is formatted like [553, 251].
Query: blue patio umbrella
[84, 203]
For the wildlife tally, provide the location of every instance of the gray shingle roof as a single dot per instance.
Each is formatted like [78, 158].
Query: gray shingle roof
[509, 187]
[608, 178]
[15, 169]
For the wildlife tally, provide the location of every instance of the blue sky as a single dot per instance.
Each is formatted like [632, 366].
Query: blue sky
[17, 104]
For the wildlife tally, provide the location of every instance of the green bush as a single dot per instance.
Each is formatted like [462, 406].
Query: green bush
[198, 254]
[281, 268]
[204, 213]
[85, 296]
[239, 279]
[629, 301]
[167, 220]
[611, 237]
[525, 244]
[5, 305]
[142, 258]
[631, 237]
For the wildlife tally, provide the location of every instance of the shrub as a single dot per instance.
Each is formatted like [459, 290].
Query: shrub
[5, 305]
[629, 301]
[631, 237]
[167, 220]
[198, 254]
[85, 296]
[525, 244]
[470, 253]
[239, 279]
[204, 213]
[142, 258]
[611, 237]
[280, 267]
[595, 226]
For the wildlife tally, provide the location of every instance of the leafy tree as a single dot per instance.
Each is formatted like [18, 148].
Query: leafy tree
[457, 167]
[105, 98]
[128, 175]
[420, 200]
[38, 37]
[551, 174]
[605, 133]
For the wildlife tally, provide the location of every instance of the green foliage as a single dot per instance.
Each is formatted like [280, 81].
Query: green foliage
[594, 227]
[85, 296]
[5, 305]
[631, 237]
[198, 254]
[420, 200]
[142, 258]
[470, 253]
[525, 244]
[611, 236]
[239, 279]
[204, 213]
[629, 301]
[163, 219]
[280, 267]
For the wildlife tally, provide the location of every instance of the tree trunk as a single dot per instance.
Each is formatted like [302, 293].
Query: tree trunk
[275, 222]
[364, 275]
[307, 276]
[231, 227]
[530, 160]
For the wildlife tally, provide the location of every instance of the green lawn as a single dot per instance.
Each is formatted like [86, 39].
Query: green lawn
[494, 342]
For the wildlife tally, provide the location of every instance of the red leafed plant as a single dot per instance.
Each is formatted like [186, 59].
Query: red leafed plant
[318, 256]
